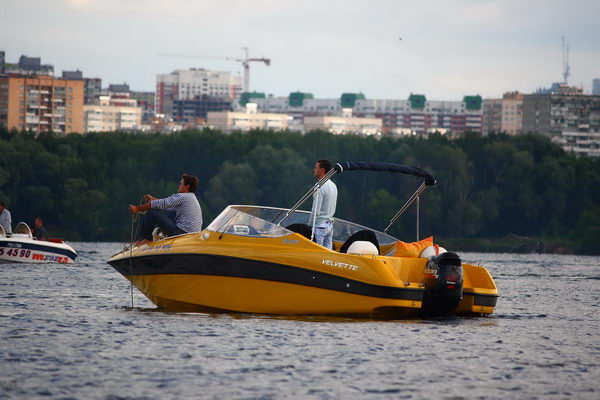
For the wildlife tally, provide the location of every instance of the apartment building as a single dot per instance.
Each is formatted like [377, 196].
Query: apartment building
[92, 87]
[191, 112]
[41, 103]
[228, 121]
[27, 66]
[571, 120]
[596, 87]
[503, 115]
[344, 124]
[188, 84]
[416, 115]
[112, 114]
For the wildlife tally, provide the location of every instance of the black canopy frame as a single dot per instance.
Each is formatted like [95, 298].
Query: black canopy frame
[428, 180]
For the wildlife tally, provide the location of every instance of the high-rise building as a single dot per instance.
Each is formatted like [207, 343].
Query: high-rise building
[187, 84]
[596, 87]
[41, 103]
[195, 110]
[92, 87]
[572, 120]
[503, 115]
[145, 101]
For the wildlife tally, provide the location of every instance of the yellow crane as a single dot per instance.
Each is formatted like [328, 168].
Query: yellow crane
[245, 63]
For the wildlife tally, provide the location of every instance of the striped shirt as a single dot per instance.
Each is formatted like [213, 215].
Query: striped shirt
[324, 201]
[188, 214]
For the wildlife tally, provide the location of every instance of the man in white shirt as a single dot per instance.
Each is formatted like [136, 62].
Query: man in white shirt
[323, 207]
[5, 218]
[175, 215]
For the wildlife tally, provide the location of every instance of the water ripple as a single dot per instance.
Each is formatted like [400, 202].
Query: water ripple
[69, 332]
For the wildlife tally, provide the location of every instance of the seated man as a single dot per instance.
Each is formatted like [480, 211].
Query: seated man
[174, 215]
[39, 232]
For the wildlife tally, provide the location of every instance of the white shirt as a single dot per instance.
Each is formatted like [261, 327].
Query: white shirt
[188, 214]
[6, 221]
[324, 202]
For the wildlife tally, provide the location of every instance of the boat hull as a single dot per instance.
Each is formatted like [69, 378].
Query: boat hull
[26, 250]
[216, 282]
[209, 272]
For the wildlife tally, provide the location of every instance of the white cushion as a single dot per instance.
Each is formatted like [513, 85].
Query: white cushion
[362, 247]
[431, 251]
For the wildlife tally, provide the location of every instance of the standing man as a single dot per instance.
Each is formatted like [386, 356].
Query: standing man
[5, 219]
[39, 230]
[323, 208]
[175, 215]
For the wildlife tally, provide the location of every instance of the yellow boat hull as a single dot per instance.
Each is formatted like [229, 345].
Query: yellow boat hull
[288, 275]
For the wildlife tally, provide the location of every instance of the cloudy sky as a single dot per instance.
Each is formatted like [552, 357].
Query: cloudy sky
[386, 49]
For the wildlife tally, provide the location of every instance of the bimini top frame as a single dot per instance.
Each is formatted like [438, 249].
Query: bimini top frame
[428, 180]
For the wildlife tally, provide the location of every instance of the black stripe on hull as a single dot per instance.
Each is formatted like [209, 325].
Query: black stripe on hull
[488, 300]
[208, 264]
[9, 244]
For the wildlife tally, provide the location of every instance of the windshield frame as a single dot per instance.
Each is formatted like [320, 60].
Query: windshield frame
[261, 221]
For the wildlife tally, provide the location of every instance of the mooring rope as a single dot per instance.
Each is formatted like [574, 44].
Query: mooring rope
[134, 218]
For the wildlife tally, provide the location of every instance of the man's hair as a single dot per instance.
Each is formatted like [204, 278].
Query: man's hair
[325, 164]
[191, 181]
[2, 204]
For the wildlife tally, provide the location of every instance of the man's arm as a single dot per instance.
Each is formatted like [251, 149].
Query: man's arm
[141, 208]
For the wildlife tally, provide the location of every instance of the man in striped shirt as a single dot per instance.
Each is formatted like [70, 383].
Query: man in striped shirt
[175, 215]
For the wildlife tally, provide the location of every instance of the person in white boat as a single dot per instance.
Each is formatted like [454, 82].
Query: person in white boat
[5, 218]
[39, 232]
[175, 215]
[323, 207]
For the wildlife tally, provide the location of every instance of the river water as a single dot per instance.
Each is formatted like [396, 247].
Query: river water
[68, 332]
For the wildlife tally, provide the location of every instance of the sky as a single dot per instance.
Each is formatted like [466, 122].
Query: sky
[386, 49]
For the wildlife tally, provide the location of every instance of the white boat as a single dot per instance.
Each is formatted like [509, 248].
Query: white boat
[22, 247]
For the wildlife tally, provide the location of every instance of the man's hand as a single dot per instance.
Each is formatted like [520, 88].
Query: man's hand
[149, 197]
[133, 209]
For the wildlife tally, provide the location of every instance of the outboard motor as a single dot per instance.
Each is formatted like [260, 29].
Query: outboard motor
[443, 285]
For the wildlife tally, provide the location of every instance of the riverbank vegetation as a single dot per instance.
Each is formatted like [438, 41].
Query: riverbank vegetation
[494, 193]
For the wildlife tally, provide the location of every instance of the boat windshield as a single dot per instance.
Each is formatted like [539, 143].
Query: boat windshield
[263, 222]
[22, 229]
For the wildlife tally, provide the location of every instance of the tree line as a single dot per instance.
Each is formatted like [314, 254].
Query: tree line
[489, 189]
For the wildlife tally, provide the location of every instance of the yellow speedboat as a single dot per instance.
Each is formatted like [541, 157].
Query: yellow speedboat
[261, 260]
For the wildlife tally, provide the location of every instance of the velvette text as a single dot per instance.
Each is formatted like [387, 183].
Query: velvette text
[340, 265]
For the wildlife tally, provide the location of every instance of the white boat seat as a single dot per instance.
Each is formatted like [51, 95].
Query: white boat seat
[363, 247]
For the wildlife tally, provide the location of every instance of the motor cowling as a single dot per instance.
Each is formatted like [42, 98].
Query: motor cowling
[443, 285]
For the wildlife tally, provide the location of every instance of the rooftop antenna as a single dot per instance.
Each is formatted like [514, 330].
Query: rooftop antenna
[566, 68]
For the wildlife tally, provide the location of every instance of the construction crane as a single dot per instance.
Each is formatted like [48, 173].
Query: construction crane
[245, 63]
[566, 67]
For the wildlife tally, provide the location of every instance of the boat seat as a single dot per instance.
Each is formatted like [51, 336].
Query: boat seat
[363, 247]
[363, 235]
[302, 229]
